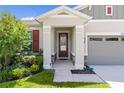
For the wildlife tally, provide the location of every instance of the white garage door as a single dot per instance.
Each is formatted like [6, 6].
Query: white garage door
[105, 50]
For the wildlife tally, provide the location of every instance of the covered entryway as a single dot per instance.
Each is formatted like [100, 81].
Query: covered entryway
[63, 48]
[56, 43]
[105, 50]
[63, 42]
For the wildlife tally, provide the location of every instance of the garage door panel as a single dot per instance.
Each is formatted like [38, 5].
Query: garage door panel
[106, 52]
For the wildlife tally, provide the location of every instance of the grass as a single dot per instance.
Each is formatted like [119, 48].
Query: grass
[45, 80]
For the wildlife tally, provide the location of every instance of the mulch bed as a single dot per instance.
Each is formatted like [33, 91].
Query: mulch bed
[82, 72]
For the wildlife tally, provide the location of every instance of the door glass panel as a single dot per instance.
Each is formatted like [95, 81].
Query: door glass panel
[63, 42]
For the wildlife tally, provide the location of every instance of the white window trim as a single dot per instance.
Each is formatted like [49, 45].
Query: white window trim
[107, 11]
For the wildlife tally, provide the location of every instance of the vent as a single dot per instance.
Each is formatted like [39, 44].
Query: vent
[63, 13]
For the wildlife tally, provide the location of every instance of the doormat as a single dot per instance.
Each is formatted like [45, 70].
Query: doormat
[77, 71]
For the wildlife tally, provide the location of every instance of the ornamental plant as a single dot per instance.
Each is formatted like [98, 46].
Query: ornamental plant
[13, 36]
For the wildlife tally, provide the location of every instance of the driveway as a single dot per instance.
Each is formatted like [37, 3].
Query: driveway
[112, 74]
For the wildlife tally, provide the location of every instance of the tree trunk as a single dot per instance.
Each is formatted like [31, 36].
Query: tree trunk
[7, 59]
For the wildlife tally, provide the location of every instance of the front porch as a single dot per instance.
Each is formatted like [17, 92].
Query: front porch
[63, 36]
[66, 44]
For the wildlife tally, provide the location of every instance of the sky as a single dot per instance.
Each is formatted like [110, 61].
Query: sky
[22, 11]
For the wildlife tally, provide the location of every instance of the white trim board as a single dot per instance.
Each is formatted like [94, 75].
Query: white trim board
[80, 7]
[104, 33]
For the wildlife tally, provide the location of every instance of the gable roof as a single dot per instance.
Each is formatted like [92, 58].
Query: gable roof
[65, 8]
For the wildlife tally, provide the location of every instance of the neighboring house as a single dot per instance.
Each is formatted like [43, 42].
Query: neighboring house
[84, 34]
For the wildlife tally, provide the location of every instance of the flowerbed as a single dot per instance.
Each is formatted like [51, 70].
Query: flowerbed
[21, 66]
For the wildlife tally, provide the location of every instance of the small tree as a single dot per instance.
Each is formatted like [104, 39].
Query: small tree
[13, 36]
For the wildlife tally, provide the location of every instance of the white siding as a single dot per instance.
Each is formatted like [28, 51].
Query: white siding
[105, 26]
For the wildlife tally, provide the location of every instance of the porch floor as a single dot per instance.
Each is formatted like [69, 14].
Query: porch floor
[63, 73]
[63, 64]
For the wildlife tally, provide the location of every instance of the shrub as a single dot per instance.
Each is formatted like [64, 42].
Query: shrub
[21, 72]
[1, 66]
[21, 66]
[18, 65]
[24, 65]
[16, 59]
[27, 72]
[17, 73]
[25, 60]
[34, 68]
[39, 61]
[29, 59]
[1, 77]
[5, 74]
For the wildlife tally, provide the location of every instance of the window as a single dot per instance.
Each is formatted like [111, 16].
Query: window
[111, 39]
[109, 10]
[30, 42]
[122, 39]
[30, 32]
[95, 39]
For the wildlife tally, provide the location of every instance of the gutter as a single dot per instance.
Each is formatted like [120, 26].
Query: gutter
[37, 21]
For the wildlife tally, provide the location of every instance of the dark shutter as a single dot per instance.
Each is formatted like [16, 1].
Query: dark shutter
[35, 40]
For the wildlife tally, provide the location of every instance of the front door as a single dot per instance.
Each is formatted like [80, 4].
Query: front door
[63, 45]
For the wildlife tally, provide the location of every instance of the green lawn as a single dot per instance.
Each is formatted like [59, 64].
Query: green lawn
[45, 80]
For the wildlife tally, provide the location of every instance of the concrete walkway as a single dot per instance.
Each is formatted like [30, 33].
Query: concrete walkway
[63, 73]
[112, 74]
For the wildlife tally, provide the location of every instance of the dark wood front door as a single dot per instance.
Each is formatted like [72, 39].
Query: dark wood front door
[63, 45]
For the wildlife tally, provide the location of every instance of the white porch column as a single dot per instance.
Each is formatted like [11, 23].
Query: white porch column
[47, 47]
[79, 49]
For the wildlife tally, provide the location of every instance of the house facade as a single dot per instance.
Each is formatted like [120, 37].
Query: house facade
[92, 35]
